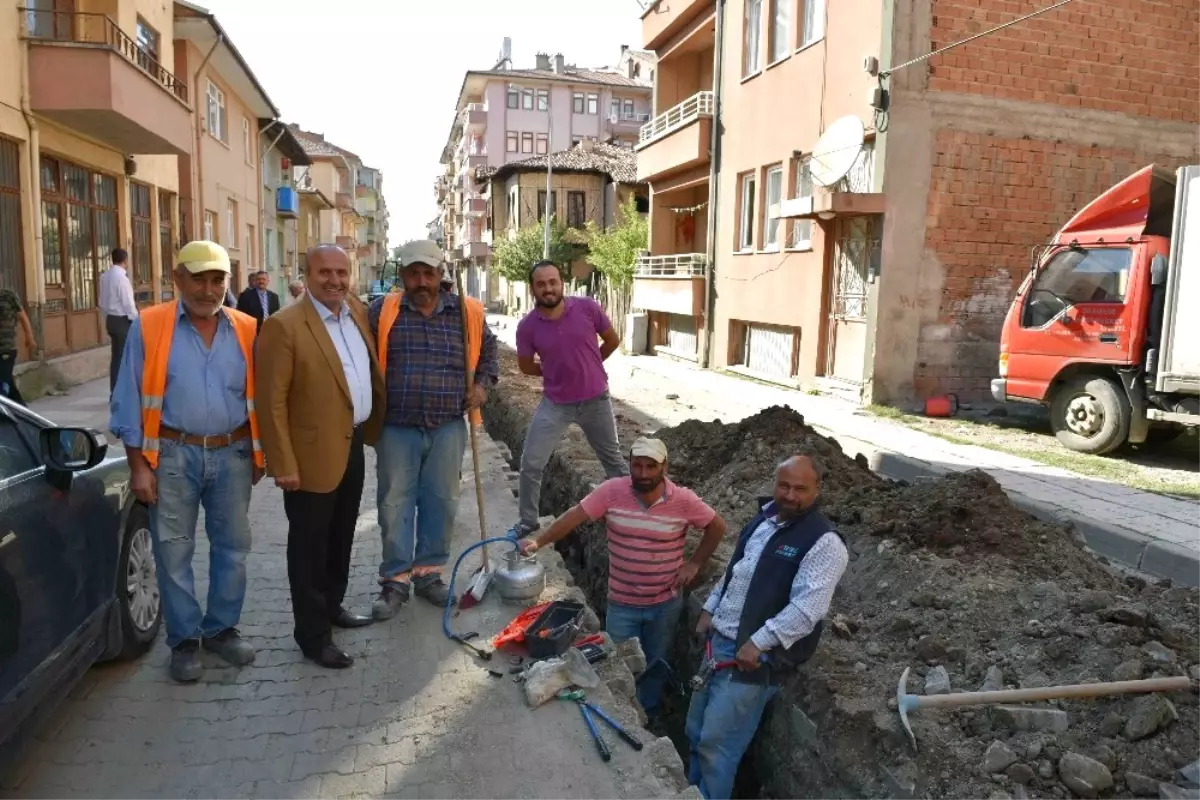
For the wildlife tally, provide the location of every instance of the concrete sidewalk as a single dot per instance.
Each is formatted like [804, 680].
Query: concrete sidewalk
[1156, 534]
[415, 716]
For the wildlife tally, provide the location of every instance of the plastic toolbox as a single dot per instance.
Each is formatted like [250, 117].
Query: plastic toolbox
[561, 620]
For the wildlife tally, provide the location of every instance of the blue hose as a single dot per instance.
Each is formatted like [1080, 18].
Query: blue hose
[454, 575]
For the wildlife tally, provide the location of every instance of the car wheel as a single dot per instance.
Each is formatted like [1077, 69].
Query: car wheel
[1090, 415]
[137, 586]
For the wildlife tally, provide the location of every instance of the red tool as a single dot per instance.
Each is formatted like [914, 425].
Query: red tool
[595, 638]
[709, 667]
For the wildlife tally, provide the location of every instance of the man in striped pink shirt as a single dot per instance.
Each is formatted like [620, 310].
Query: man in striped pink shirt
[647, 518]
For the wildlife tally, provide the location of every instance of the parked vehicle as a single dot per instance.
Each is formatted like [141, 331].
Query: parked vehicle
[77, 575]
[1106, 328]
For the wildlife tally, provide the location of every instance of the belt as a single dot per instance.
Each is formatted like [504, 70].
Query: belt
[212, 442]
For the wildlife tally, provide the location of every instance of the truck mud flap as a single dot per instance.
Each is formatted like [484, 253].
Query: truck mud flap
[1139, 425]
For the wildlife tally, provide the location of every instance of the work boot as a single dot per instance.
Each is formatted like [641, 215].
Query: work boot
[392, 595]
[231, 647]
[521, 530]
[432, 589]
[185, 662]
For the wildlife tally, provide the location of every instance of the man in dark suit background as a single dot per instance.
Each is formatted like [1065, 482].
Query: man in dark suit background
[258, 301]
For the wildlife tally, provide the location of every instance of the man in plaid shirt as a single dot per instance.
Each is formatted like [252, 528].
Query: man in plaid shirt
[424, 355]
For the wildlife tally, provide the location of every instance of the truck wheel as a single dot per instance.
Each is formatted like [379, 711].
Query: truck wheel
[1090, 415]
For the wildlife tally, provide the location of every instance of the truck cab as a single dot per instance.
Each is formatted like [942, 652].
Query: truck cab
[1085, 331]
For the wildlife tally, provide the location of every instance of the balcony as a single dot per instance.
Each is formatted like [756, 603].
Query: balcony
[673, 284]
[474, 206]
[665, 18]
[472, 162]
[632, 121]
[473, 250]
[347, 243]
[677, 139]
[287, 202]
[344, 201]
[86, 74]
[474, 118]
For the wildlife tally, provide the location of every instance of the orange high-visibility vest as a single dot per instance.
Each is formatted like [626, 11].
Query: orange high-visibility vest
[475, 322]
[158, 329]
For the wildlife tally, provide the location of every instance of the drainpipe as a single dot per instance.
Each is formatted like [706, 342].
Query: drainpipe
[35, 209]
[714, 170]
[198, 219]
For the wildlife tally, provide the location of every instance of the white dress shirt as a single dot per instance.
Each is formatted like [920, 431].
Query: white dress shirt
[356, 359]
[115, 293]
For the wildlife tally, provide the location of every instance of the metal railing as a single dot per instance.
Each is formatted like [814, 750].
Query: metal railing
[696, 106]
[78, 27]
[679, 265]
[632, 116]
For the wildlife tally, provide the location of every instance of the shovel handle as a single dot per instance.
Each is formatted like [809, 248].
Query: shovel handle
[1051, 693]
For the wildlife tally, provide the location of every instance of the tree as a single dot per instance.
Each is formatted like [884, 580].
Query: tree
[513, 257]
[613, 252]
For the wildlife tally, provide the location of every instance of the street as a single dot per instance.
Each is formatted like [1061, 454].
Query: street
[414, 716]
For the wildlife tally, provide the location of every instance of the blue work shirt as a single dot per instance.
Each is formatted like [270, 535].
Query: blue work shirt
[206, 387]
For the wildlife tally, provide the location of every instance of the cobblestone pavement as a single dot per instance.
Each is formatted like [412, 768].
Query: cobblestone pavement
[414, 716]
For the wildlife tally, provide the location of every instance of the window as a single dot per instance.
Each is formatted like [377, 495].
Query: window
[578, 103]
[802, 228]
[514, 98]
[781, 29]
[812, 21]
[543, 144]
[147, 46]
[1074, 276]
[16, 457]
[615, 109]
[248, 247]
[593, 104]
[746, 228]
[526, 142]
[79, 230]
[139, 196]
[752, 38]
[771, 208]
[576, 209]
[217, 122]
[541, 201]
[210, 225]
[231, 224]
[247, 142]
[627, 108]
[527, 99]
[511, 142]
[12, 259]
[543, 99]
[166, 241]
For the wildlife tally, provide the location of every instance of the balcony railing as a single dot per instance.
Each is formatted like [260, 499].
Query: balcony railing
[679, 265]
[696, 106]
[77, 27]
[344, 201]
[632, 116]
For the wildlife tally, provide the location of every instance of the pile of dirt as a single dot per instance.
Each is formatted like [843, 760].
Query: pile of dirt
[952, 580]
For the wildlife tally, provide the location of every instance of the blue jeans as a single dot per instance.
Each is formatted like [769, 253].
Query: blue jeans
[721, 722]
[419, 479]
[653, 626]
[219, 480]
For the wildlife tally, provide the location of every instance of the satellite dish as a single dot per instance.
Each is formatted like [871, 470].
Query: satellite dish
[837, 150]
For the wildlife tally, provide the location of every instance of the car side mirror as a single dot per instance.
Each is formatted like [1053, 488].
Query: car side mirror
[72, 449]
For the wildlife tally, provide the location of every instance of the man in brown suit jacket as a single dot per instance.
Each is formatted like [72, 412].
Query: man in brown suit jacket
[320, 398]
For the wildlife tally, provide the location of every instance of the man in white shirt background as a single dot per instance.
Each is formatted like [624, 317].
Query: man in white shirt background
[120, 309]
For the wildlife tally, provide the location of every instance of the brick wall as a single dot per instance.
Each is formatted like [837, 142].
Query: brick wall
[991, 200]
[1135, 57]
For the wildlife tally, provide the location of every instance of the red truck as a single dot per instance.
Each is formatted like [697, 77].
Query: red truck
[1105, 330]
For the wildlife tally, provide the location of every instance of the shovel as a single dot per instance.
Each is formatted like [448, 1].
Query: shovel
[906, 702]
[483, 576]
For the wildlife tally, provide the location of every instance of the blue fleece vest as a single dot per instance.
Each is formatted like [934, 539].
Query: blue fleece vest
[771, 588]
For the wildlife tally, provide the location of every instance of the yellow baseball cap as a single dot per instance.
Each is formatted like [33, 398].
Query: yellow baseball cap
[201, 256]
[649, 448]
[421, 251]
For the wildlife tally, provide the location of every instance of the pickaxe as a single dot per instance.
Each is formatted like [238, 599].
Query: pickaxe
[906, 702]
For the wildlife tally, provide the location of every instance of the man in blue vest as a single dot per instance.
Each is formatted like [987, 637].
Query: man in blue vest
[766, 613]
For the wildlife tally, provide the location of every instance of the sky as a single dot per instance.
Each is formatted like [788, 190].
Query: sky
[381, 77]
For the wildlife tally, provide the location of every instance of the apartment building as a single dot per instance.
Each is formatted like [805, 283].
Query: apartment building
[372, 222]
[505, 115]
[818, 221]
[308, 227]
[282, 153]
[589, 183]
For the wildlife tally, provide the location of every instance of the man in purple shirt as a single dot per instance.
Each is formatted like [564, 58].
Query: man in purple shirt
[561, 332]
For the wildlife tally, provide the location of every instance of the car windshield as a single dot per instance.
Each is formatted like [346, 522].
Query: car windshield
[1074, 276]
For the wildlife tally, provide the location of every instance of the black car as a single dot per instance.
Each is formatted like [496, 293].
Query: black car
[77, 575]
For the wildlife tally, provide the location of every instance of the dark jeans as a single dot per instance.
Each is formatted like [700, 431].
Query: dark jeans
[320, 535]
[8, 384]
[118, 329]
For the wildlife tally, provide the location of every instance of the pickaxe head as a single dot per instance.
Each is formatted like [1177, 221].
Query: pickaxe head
[904, 702]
